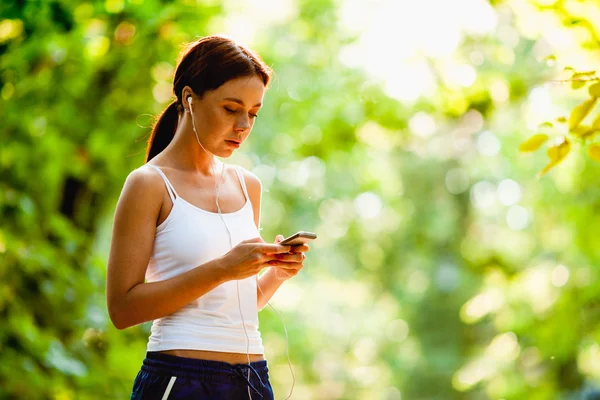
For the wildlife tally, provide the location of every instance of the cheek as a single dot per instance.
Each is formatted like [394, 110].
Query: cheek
[216, 119]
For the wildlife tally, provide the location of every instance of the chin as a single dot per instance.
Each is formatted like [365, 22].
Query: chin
[225, 153]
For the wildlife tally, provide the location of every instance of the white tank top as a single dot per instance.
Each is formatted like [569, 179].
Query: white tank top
[189, 237]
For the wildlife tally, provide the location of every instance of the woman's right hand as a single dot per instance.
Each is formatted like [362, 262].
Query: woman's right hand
[249, 257]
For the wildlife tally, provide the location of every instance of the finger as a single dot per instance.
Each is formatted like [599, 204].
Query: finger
[298, 257]
[257, 239]
[284, 265]
[300, 249]
[279, 238]
[274, 249]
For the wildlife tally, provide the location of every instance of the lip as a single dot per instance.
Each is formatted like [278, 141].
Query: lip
[233, 143]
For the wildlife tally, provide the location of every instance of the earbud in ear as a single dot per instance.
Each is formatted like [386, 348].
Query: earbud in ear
[189, 100]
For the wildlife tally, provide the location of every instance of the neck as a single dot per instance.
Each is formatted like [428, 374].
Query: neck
[184, 152]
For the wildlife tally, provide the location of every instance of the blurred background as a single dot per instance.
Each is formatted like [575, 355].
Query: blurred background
[447, 266]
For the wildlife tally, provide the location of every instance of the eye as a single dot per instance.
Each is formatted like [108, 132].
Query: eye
[253, 115]
[229, 110]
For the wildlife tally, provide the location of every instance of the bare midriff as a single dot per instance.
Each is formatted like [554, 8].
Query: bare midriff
[231, 358]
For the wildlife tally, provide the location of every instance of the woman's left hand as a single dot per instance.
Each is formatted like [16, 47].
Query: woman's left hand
[288, 265]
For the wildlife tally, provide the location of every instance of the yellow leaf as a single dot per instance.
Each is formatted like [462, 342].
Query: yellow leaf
[559, 151]
[580, 112]
[556, 153]
[583, 73]
[576, 84]
[583, 131]
[545, 125]
[547, 168]
[594, 152]
[596, 123]
[533, 143]
[594, 90]
[562, 120]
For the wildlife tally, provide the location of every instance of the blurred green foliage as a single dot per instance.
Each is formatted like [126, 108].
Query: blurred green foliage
[443, 270]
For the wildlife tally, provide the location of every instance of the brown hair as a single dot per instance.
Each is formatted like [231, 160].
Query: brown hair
[204, 65]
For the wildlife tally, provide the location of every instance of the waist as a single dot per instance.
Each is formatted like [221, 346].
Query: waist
[230, 358]
[205, 370]
[183, 332]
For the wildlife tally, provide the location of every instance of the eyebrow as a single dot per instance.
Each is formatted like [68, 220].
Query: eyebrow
[239, 101]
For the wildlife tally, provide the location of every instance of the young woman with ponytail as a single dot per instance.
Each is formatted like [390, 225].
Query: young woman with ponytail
[186, 249]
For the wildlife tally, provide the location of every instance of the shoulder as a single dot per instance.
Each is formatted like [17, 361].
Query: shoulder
[253, 183]
[143, 184]
[139, 203]
[144, 180]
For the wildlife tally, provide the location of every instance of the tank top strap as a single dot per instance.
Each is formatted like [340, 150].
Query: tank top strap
[240, 174]
[170, 188]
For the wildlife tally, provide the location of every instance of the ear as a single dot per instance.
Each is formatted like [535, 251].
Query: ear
[185, 93]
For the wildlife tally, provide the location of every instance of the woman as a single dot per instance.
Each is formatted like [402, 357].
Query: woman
[186, 249]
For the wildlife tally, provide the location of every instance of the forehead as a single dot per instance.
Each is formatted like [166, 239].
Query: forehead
[250, 89]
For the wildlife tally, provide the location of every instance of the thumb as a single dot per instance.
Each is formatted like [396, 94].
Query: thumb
[253, 240]
[279, 238]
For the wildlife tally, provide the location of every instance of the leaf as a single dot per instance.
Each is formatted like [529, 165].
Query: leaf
[561, 120]
[545, 125]
[557, 154]
[584, 73]
[580, 112]
[576, 84]
[594, 90]
[594, 152]
[596, 123]
[583, 131]
[533, 143]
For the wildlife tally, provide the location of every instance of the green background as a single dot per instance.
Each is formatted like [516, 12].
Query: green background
[444, 268]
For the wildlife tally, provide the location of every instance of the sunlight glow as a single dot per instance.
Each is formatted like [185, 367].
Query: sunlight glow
[488, 144]
[457, 180]
[335, 215]
[418, 282]
[422, 124]
[397, 330]
[536, 288]
[540, 107]
[368, 205]
[245, 20]
[509, 192]
[481, 305]
[588, 360]
[472, 373]
[483, 194]
[398, 24]
[560, 276]
[517, 218]
[504, 347]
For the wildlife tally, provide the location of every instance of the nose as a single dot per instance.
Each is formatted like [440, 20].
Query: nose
[243, 124]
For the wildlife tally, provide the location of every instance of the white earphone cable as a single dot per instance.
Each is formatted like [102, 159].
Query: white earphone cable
[217, 189]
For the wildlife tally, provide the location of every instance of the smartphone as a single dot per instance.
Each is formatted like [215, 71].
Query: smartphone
[298, 238]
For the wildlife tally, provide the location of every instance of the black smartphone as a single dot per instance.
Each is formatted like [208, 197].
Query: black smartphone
[298, 238]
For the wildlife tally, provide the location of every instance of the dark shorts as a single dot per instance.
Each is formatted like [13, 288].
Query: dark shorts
[164, 376]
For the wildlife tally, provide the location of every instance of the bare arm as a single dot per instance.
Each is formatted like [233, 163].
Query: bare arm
[130, 300]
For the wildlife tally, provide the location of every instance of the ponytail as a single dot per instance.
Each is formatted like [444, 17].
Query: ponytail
[163, 131]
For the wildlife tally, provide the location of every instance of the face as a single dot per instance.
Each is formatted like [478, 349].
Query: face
[225, 116]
